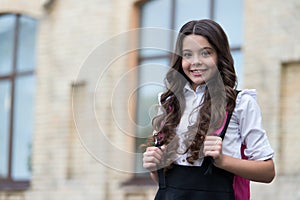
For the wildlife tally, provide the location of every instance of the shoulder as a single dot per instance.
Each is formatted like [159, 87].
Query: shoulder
[246, 97]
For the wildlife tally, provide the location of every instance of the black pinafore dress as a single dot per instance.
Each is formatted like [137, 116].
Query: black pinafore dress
[206, 182]
[193, 183]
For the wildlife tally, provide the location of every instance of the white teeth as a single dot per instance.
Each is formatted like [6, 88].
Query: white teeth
[198, 70]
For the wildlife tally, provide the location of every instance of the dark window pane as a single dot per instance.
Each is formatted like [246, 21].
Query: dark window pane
[229, 14]
[23, 127]
[7, 29]
[187, 10]
[5, 98]
[156, 15]
[26, 46]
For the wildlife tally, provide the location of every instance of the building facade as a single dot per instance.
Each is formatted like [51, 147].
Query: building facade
[87, 66]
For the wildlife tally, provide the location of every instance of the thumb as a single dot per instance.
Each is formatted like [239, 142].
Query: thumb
[163, 147]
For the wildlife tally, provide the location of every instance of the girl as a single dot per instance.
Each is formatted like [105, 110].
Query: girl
[200, 98]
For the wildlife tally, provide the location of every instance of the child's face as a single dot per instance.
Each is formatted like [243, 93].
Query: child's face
[199, 59]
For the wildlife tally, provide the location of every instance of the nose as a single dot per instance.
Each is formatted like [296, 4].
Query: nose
[196, 61]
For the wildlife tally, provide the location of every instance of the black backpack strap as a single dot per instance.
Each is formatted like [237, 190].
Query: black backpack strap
[160, 171]
[161, 177]
[228, 117]
[222, 135]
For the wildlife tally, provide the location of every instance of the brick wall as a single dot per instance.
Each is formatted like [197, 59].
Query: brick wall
[71, 34]
[33, 7]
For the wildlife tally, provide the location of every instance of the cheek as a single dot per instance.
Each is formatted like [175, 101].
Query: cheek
[185, 65]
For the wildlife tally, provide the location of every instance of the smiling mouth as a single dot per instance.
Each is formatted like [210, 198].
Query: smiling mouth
[197, 72]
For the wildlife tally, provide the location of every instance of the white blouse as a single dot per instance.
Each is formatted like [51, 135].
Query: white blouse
[245, 127]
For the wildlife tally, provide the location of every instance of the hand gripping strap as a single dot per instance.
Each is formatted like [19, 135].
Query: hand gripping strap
[222, 134]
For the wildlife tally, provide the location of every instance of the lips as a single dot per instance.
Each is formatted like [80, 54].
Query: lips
[197, 72]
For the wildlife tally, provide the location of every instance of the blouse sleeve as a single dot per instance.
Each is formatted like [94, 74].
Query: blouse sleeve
[252, 132]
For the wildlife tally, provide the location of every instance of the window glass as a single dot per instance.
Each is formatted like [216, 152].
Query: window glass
[232, 22]
[7, 29]
[151, 78]
[150, 16]
[26, 44]
[4, 124]
[238, 65]
[187, 10]
[157, 37]
[23, 127]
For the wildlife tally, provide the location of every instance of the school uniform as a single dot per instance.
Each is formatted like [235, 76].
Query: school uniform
[185, 181]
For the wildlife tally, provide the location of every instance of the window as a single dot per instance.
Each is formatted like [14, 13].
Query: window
[289, 119]
[153, 62]
[17, 91]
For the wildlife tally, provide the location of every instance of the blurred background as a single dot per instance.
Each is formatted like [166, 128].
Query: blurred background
[79, 83]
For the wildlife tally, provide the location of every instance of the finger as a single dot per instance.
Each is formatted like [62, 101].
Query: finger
[213, 141]
[163, 148]
[214, 147]
[211, 138]
[154, 149]
[151, 155]
[150, 163]
[150, 166]
[160, 150]
[151, 159]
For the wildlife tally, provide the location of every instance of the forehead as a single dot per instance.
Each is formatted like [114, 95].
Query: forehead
[195, 42]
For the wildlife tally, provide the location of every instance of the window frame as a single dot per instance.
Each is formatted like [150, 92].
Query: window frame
[8, 183]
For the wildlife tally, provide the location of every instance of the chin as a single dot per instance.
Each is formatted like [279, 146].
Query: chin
[199, 82]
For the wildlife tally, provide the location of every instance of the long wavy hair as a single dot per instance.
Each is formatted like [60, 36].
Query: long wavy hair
[219, 95]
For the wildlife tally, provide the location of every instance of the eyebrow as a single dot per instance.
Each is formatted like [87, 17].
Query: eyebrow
[204, 48]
